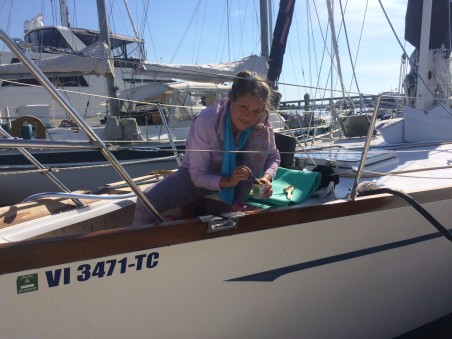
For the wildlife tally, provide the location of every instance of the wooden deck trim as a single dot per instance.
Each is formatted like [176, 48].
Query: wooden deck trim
[33, 254]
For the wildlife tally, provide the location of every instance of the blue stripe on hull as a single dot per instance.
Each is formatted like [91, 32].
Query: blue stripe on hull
[272, 275]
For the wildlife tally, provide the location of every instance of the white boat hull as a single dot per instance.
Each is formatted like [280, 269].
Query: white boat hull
[370, 269]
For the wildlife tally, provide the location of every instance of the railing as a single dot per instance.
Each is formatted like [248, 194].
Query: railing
[95, 141]
[38, 165]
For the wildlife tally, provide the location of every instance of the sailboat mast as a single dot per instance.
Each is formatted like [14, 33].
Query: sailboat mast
[422, 92]
[270, 22]
[264, 29]
[64, 14]
[104, 29]
[131, 20]
[336, 50]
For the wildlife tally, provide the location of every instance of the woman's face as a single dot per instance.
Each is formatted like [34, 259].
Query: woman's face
[245, 112]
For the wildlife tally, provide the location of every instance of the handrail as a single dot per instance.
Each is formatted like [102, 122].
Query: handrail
[58, 97]
[362, 162]
[173, 146]
[42, 144]
[79, 196]
[40, 166]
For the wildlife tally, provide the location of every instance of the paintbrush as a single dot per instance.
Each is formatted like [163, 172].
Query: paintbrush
[255, 179]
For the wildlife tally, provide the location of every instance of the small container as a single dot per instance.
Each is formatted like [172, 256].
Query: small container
[26, 131]
[258, 191]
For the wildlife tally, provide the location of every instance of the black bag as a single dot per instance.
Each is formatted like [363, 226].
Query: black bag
[328, 175]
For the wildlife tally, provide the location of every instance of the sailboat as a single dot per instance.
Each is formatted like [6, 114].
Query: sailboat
[429, 117]
[77, 62]
[377, 264]
[77, 53]
[142, 140]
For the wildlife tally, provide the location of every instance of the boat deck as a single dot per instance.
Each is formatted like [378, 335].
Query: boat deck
[407, 167]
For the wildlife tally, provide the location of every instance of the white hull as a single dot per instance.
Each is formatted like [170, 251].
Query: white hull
[377, 273]
[87, 100]
[13, 97]
[156, 133]
[19, 185]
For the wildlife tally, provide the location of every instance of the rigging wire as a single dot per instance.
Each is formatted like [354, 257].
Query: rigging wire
[194, 36]
[242, 25]
[145, 24]
[292, 58]
[195, 11]
[8, 25]
[325, 49]
[392, 28]
[200, 40]
[339, 79]
[220, 40]
[131, 20]
[309, 40]
[314, 45]
[335, 46]
[304, 86]
[331, 58]
[404, 51]
[257, 33]
[74, 15]
[348, 48]
[52, 8]
[299, 48]
[293, 66]
[228, 21]
[359, 41]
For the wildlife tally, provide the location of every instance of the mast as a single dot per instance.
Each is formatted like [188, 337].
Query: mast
[270, 22]
[64, 14]
[113, 104]
[282, 26]
[265, 43]
[131, 20]
[336, 50]
[427, 28]
[422, 92]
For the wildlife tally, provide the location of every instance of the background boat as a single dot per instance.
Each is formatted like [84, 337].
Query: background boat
[138, 117]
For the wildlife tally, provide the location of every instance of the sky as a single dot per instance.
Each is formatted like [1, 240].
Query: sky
[211, 31]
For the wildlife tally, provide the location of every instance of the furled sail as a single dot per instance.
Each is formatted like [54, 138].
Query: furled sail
[153, 91]
[282, 27]
[440, 23]
[215, 73]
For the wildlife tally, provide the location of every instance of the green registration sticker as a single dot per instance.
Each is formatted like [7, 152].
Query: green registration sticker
[27, 283]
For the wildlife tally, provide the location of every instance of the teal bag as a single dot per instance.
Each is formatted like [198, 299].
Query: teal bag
[304, 183]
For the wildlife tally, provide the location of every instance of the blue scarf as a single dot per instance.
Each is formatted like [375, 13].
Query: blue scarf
[229, 156]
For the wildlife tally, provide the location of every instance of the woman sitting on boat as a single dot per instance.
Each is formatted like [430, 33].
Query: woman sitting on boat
[237, 123]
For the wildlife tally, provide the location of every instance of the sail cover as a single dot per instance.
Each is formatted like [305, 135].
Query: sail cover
[439, 29]
[94, 59]
[154, 91]
[282, 27]
[214, 73]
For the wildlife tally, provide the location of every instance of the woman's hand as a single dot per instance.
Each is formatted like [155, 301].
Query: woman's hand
[240, 173]
[268, 191]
